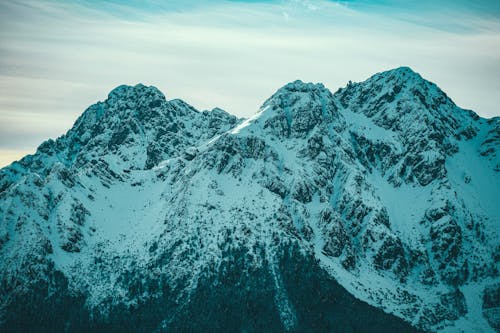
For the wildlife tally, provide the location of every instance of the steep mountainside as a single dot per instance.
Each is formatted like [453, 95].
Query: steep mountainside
[371, 209]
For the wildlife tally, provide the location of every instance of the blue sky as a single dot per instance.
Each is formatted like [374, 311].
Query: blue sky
[58, 57]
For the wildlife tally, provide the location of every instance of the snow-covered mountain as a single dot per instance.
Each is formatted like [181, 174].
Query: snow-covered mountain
[371, 209]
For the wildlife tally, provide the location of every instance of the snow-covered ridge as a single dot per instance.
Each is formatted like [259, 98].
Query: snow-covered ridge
[387, 183]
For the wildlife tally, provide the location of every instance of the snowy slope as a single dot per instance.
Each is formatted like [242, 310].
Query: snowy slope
[386, 188]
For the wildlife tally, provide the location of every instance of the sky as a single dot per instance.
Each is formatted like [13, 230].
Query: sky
[58, 57]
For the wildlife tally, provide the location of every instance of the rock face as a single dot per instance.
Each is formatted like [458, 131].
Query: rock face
[371, 209]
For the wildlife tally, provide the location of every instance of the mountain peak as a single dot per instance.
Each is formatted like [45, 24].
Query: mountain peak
[135, 128]
[403, 70]
[297, 107]
[124, 101]
[401, 75]
[127, 92]
[300, 86]
[396, 91]
[138, 97]
[299, 89]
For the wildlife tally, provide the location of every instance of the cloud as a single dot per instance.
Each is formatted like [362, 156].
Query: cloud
[57, 58]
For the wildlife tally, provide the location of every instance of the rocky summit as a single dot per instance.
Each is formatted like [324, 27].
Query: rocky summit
[371, 209]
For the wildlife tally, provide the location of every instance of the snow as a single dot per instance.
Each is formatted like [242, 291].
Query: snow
[474, 320]
[481, 195]
[190, 208]
[359, 123]
[405, 205]
[259, 116]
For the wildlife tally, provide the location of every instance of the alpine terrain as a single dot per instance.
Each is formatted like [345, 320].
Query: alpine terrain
[372, 209]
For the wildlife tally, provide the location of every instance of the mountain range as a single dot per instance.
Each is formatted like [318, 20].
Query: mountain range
[372, 209]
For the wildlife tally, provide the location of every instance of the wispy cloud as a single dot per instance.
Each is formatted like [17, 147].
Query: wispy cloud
[56, 58]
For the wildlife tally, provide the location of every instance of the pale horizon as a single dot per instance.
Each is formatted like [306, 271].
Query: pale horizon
[58, 58]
